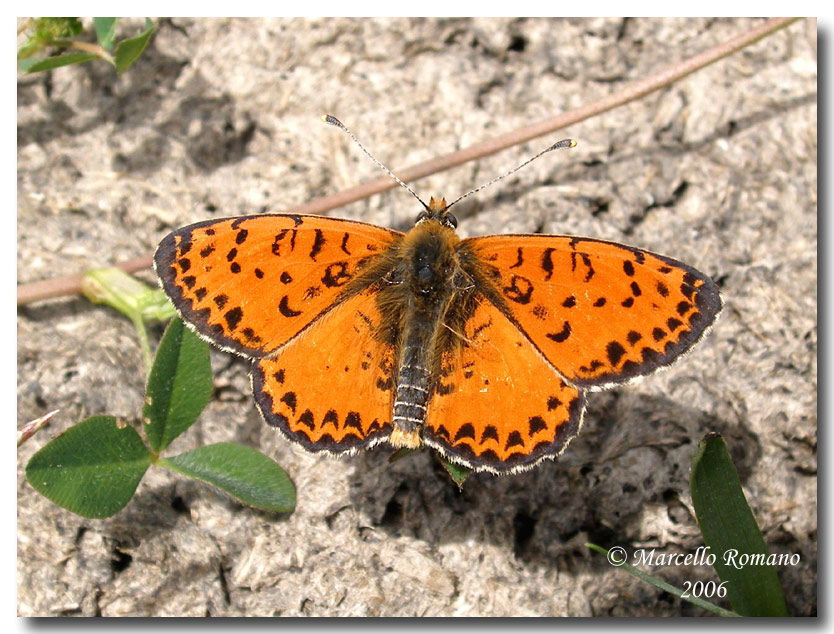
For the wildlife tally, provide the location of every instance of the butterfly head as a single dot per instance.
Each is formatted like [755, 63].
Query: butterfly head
[429, 251]
[437, 210]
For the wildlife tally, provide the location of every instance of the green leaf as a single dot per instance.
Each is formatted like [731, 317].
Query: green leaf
[128, 51]
[125, 293]
[48, 29]
[615, 559]
[92, 469]
[240, 471]
[134, 299]
[38, 64]
[401, 453]
[731, 532]
[157, 307]
[29, 49]
[179, 386]
[105, 31]
[457, 472]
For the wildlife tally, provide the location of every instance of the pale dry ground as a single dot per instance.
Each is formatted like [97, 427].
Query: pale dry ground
[220, 117]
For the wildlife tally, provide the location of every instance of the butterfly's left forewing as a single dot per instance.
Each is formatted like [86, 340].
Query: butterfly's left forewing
[602, 313]
[251, 284]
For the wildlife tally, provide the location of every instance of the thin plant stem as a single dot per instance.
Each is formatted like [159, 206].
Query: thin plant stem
[71, 284]
[144, 344]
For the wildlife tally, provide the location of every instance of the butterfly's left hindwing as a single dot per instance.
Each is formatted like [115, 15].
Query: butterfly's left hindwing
[251, 284]
[602, 313]
[498, 406]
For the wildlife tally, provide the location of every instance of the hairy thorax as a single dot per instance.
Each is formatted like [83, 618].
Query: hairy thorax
[424, 297]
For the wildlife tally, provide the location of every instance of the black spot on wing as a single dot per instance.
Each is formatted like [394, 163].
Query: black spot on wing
[285, 310]
[318, 243]
[536, 424]
[290, 400]
[547, 263]
[520, 290]
[332, 417]
[336, 275]
[514, 440]
[562, 335]
[489, 432]
[586, 261]
[467, 430]
[250, 336]
[673, 324]
[307, 419]
[233, 317]
[615, 352]
[353, 420]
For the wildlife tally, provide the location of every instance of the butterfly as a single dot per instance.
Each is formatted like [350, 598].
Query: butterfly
[482, 349]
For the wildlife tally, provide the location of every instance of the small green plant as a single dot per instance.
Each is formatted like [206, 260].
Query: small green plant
[94, 468]
[727, 526]
[54, 42]
[457, 472]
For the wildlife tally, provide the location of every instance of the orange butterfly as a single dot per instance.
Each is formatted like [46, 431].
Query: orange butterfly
[480, 348]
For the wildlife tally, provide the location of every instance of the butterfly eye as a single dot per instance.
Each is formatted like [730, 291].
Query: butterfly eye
[421, 217]
[451, 221]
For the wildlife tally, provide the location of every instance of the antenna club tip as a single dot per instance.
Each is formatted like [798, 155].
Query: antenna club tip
[564, 143]
[329, 118]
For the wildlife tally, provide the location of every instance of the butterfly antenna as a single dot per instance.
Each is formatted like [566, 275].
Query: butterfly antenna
[564, 143]
[329, 118]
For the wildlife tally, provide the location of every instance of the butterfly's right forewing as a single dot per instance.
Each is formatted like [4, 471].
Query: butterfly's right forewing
[251, 284]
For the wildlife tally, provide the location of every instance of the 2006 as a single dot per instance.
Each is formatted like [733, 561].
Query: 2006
[701, 589]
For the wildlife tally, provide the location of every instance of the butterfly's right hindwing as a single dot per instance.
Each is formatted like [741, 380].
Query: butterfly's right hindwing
[332, 388]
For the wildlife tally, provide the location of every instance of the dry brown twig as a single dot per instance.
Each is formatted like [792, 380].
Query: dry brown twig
[71, 284]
